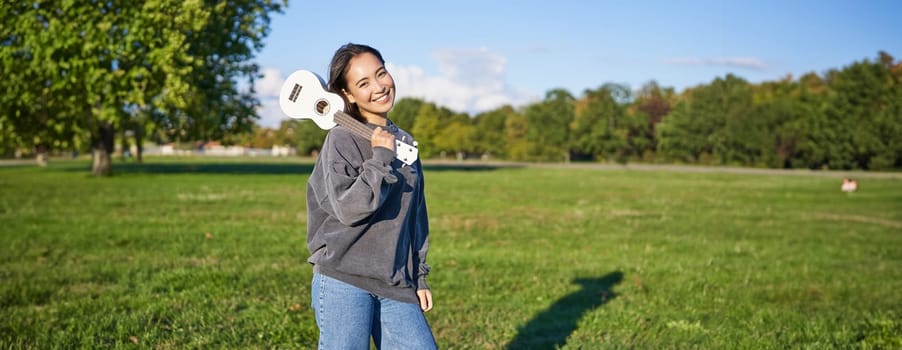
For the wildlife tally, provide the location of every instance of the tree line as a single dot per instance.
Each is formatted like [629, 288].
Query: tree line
[81, 74]
[846, 118]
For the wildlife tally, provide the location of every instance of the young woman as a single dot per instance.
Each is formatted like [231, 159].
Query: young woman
[367, 229]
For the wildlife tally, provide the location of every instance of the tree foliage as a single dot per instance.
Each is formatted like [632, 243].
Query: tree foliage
[489, 139]
[405, 112]
[600, 126]
[75, 71]
[549, 127]
[848, 118]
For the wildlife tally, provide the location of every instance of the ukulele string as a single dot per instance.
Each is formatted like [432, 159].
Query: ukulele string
[345, 120]
[353, 124]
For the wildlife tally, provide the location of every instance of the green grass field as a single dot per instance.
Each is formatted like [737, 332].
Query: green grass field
[196, 253]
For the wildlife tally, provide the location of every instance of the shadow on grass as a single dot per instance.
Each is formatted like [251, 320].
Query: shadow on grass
[550, 328]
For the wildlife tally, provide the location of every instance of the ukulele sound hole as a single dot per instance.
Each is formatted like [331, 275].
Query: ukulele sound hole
[322, 107]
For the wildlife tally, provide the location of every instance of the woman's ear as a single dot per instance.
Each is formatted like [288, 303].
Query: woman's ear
[348, 95]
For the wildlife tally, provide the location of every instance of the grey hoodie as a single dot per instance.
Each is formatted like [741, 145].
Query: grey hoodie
[366, 216]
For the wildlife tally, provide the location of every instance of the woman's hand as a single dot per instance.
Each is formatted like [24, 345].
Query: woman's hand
[425, 296]
[382, 138]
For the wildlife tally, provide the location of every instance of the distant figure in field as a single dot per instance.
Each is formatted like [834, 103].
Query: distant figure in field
[849, 185]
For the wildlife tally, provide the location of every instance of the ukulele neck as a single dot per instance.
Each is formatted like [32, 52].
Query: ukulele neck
[356, 126]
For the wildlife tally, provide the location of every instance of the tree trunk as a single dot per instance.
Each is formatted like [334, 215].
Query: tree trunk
[139, 144]
[102, 149]
[125, 148]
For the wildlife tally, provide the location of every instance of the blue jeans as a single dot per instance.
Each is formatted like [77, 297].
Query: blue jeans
[348, 316]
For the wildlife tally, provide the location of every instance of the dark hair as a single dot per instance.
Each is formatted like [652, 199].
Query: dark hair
[339, 67]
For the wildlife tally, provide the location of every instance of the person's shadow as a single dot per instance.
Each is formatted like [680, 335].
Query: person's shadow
[551, 327]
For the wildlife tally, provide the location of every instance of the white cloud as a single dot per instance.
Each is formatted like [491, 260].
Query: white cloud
[469, 80]
[268, 89]
[270, 84]
[735, 62]
[270, 113]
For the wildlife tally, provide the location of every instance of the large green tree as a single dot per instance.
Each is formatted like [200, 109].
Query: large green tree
[489, 134]
[705, 121]
[549, 126]
[651, 105]
[426, 128]
[75, 71]
[773, 112]
[863, 115]
[307, 137]
[404, 113]
[600, 127]
[516, 128]
[456, 136]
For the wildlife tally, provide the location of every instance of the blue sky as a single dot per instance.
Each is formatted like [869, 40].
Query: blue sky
[473, 56]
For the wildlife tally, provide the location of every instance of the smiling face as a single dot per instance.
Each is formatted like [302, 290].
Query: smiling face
[370, 87]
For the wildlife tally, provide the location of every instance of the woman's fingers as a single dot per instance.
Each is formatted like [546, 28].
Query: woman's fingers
[425, 296]
[382, 138]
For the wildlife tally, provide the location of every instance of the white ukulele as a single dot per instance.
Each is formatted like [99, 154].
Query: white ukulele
[303, 97]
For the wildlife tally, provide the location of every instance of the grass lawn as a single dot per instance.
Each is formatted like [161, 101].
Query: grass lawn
[195, 253]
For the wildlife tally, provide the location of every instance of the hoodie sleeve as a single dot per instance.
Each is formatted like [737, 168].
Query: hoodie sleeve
[422, 234]
[355, 187]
